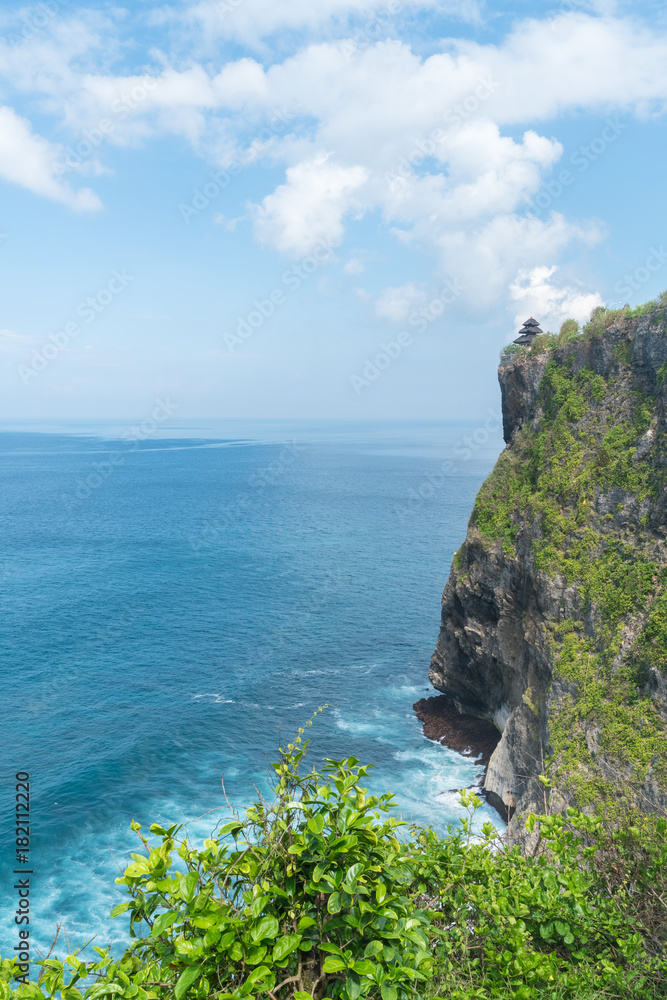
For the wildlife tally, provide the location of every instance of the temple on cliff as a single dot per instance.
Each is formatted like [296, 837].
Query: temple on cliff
[528, 332]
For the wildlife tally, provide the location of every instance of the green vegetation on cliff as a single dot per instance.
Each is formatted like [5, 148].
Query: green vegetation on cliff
[581, 481]
[315, 894]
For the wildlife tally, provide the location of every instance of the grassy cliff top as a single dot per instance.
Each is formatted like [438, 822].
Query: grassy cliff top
[570, 331]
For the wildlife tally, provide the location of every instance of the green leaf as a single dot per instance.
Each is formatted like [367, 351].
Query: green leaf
[301, 995]
[212, 936]
[318, 873]
[316, 823]
[305, 923]
[353, 873]
[261, 972]
[163, 921]
[285, 946]
[185, 980]
[121, 908]
[258, 904]
[333, 964]
[187, 886]
[372, 948]
[353, 986]
[380, 891]
[268, 927]
[255, 954]
[233, 827]
[388, 991]
[364, 968]
[333, 948]
[333, 905]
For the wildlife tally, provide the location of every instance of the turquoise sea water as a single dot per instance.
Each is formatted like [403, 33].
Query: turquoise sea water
[170, 605]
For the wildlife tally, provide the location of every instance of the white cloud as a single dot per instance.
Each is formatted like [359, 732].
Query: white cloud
[13, 344]
[549, 303]
[353, 267]
[251, 21]
[395, 304]
[308, 210]
[29, 160]
[370, 126]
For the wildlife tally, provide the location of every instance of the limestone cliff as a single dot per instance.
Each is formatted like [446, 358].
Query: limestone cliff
[554, 618]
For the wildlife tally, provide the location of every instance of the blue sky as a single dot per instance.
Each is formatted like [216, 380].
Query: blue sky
[339, 208]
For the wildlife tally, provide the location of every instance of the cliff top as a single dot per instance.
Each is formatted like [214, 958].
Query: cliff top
[610, 338]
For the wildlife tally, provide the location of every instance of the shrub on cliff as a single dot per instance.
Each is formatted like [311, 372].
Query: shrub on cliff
[568, 331]
[316, 896]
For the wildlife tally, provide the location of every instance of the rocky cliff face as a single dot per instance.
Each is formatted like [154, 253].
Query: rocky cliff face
[554, 618]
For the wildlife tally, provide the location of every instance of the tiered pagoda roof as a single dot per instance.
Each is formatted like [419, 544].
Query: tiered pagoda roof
[528, 332]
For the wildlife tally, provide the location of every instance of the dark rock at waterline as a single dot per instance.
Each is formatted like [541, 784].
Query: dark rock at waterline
[466, 734]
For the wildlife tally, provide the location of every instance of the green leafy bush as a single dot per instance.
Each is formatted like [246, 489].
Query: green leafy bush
[512, 351]
[568, 331]
[318, 896]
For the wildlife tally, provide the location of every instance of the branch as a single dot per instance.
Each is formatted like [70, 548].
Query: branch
[292, 979]
[53, 944]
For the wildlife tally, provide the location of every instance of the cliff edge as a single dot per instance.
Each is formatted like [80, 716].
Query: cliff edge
[554, 618]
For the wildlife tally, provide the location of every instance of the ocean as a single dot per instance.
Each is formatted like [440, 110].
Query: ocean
[179, 597]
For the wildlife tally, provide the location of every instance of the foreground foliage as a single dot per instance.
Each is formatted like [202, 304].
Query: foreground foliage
[315, 895]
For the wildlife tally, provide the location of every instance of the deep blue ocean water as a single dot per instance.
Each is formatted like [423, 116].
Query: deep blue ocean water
[170, 606]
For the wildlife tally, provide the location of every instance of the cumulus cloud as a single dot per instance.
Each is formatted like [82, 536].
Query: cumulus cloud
[368, 125]
[29, 160]
[550, 303]
[308, 210]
